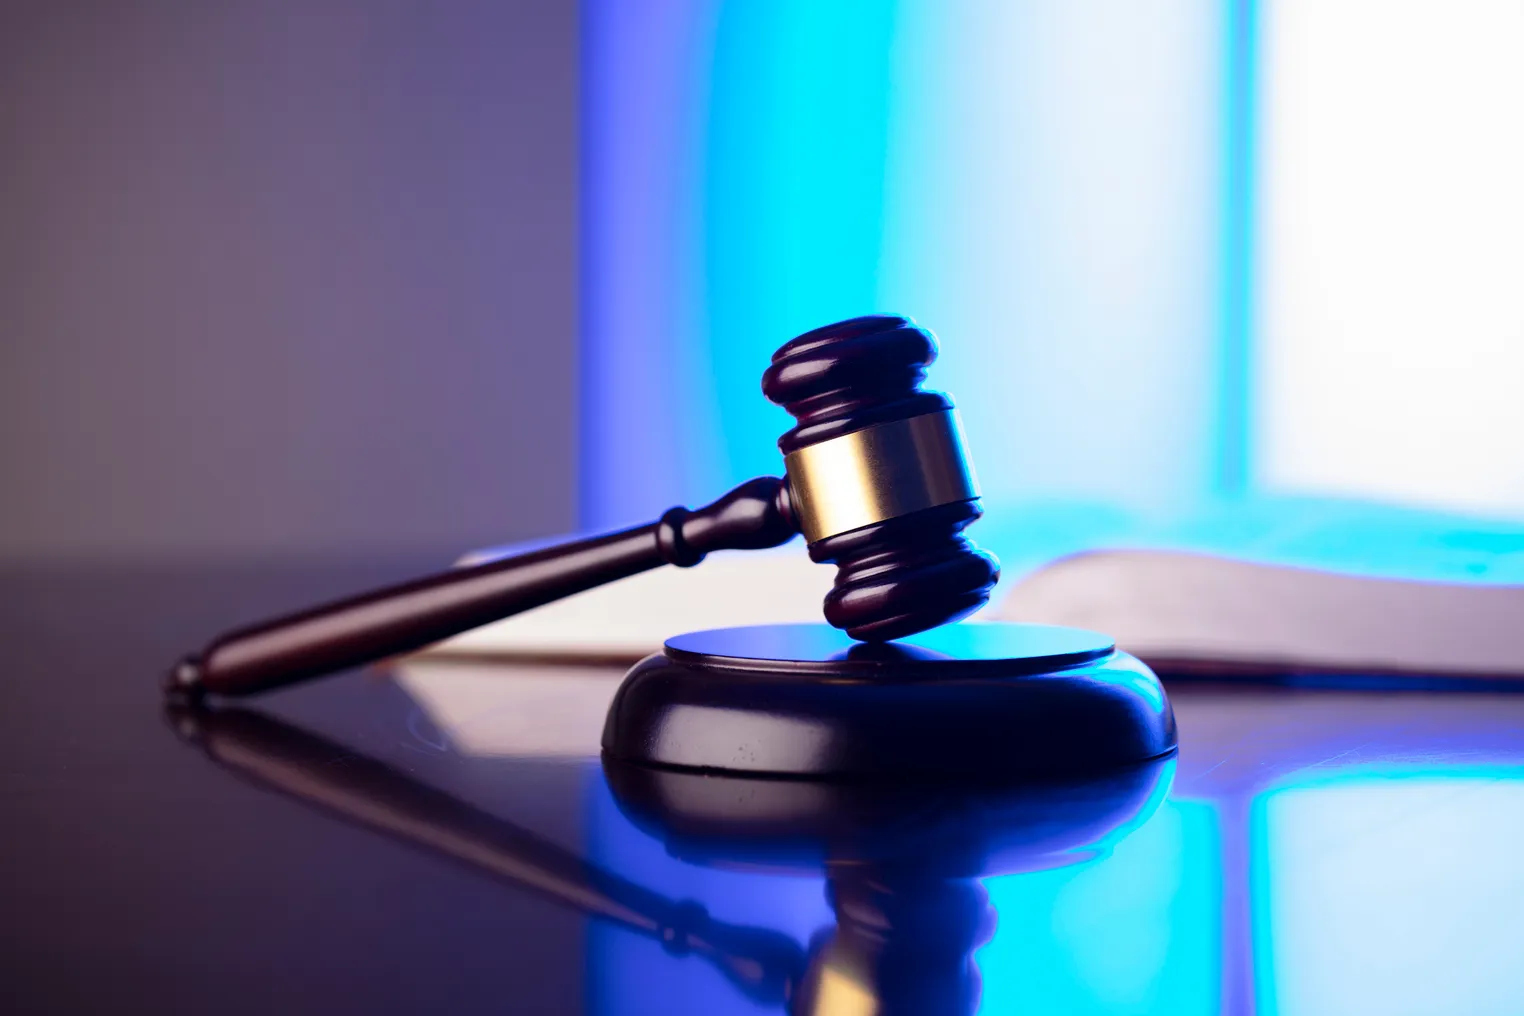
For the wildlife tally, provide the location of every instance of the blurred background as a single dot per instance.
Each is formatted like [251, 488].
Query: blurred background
[346, 277]
[285, 281]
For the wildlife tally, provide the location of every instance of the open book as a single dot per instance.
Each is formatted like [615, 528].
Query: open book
[1181, 611]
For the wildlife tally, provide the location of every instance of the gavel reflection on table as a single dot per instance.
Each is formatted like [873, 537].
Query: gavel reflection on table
[877, 481]
[902, 863]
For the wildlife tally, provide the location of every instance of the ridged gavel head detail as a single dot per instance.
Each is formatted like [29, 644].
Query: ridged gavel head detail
[878, 479]
[851, 375]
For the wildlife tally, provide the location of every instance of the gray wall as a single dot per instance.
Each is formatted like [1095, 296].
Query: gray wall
[285, 278]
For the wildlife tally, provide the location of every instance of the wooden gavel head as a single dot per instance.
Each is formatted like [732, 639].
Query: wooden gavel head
[877, 478]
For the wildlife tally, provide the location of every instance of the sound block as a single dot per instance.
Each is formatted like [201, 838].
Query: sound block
[960, 829]
[965, 701]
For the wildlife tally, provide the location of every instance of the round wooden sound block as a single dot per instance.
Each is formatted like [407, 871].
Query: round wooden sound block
[966, 701]
[950, 829]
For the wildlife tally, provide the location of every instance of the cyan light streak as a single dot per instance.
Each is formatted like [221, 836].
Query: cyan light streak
[793, 196]
[1135, 931]
[1036, 181]
[1240, 131]
[1397, 890]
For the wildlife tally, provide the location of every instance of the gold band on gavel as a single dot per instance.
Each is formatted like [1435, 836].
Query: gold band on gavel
[878, 473]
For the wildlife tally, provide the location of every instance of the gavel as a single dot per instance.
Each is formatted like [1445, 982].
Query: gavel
[875, 478]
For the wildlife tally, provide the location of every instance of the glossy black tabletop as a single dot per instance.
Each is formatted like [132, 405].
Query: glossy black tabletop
[440, 837]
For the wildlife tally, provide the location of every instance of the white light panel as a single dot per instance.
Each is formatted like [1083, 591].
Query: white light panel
[1400, 895]
[1390, 325]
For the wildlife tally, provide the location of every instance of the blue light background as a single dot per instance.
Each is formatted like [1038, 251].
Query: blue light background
[1062, 189]
[1035, 181]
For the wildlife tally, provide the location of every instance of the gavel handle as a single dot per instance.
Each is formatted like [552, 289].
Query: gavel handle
[403, 618]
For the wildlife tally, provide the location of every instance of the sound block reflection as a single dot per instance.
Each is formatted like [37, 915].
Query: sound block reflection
[903, 864]
[946, 831]
[986, 701]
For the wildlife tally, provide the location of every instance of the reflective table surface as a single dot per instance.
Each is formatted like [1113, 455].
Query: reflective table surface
[441, 837]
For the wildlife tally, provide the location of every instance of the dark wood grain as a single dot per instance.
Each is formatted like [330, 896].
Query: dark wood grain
[850, 375]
